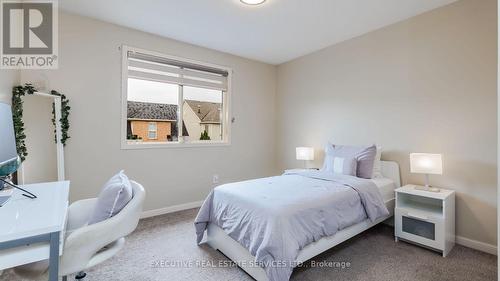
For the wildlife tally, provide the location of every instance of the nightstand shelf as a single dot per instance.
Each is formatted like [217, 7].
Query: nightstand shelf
[425, 218]
[422, 208]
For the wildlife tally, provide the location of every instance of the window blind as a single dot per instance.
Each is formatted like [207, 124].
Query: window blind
[160, 69]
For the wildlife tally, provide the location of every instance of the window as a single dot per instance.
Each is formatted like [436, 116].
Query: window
[152, 131]
[169, 101]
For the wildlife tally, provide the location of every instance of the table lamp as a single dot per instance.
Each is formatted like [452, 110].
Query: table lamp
[426, 163]
[305, 154]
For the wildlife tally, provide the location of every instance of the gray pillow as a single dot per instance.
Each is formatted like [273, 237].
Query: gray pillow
[114, 196]
[364, 155]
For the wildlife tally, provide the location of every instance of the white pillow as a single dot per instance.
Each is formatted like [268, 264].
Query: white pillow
[377, 164]
[114, 196]
[336, 163]
[364, 158]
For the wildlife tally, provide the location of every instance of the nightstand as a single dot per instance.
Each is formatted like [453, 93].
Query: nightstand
[425, 218]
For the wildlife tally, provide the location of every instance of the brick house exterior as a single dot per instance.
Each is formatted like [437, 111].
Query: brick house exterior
[141, 129]
[143, 116]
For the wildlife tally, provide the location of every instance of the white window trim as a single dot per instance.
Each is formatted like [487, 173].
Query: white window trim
[155, 131]
[226, 124]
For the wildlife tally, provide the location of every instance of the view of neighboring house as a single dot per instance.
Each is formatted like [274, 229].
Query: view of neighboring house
[156, 122]
[151, 122]
[203, 116]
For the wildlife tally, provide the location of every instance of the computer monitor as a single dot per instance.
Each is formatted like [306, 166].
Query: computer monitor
[8, 152]
[9, 161]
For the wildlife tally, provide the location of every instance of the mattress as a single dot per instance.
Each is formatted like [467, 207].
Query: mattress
[386, 187]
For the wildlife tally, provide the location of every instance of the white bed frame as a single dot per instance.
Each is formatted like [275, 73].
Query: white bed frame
[219, 240]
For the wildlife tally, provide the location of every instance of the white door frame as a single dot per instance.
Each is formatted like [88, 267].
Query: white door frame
[59, 144]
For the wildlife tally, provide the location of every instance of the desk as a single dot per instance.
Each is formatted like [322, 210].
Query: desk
[33, 229]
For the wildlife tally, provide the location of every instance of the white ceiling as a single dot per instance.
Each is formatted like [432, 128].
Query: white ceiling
[275, 32]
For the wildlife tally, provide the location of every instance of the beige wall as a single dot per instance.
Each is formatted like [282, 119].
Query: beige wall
[427, 84]
[8, 79]
[191, 121]
[90, 75]
[214, 131]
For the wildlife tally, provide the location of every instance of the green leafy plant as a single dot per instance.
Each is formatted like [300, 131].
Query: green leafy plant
[17, 115]
[64, 117]
[204, 136]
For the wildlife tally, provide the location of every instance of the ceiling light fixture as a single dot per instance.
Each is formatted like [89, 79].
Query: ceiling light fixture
[252, 2]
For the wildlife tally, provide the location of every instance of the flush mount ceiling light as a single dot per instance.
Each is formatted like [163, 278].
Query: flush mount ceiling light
[252, 2]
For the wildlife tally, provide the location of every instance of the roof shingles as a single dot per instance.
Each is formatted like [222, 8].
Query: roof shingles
[151, 111]
[207, 112]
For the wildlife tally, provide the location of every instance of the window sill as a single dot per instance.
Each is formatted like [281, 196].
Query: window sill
[127, 146]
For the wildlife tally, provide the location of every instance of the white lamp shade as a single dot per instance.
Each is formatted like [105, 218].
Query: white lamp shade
[304, 153]
[426, 163]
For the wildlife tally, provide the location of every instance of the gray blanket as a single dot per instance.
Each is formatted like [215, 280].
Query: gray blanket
[275, 217]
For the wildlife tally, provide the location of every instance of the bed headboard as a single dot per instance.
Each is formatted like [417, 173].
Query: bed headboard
[390, 170]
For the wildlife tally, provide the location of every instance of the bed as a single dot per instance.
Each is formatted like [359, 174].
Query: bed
[225, 240]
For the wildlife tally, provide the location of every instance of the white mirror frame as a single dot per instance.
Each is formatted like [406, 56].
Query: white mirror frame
[59, 144]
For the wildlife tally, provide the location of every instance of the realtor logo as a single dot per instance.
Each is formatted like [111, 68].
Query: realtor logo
[28, 34]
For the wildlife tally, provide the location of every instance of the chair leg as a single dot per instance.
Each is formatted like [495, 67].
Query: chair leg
[80, 275]
[65, 278]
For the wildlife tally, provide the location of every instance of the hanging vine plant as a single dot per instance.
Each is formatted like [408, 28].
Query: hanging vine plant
[17, 115]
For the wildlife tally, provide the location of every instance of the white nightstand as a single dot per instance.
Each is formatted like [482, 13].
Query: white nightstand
[425, 218]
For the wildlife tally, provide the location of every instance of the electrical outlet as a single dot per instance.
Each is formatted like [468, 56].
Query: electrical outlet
[215, 179]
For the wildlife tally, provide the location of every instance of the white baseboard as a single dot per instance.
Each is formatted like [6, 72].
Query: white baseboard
[477, 245]
[170, 209]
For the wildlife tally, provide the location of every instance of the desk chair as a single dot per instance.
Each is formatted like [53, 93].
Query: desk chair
[88, 245]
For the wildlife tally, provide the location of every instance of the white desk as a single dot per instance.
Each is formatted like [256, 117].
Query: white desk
[33, 229]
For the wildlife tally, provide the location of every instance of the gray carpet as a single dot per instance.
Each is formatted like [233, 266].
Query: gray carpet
[373, 255]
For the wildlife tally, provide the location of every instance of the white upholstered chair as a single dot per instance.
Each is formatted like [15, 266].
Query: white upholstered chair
[88, 245]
